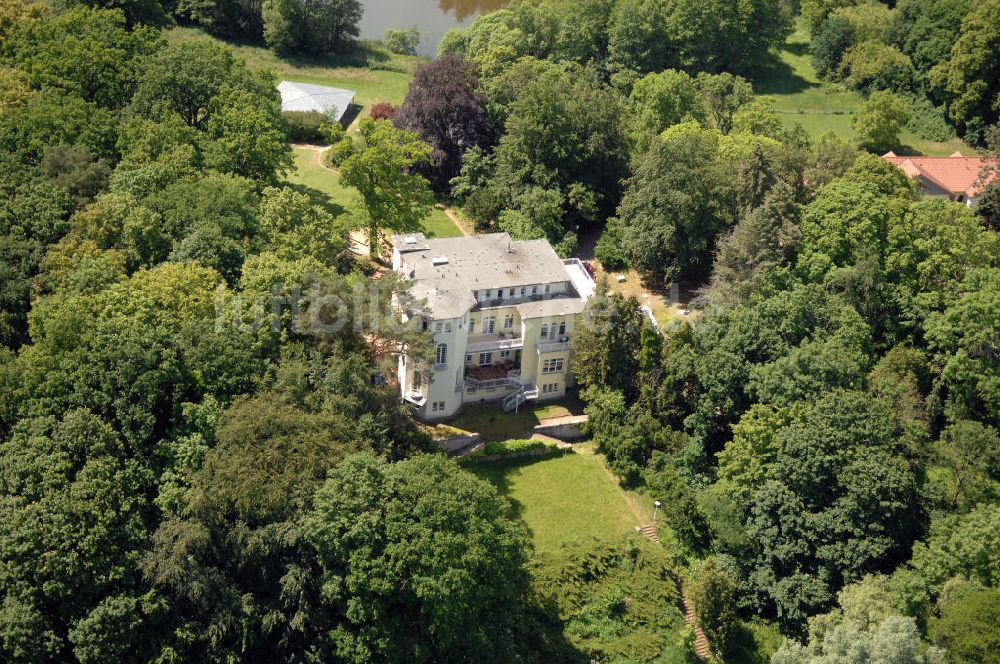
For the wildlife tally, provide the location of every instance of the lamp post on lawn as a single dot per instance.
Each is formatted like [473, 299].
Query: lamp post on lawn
[656, 506]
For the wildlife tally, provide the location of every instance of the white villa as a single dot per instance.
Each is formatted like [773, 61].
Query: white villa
[503, 313]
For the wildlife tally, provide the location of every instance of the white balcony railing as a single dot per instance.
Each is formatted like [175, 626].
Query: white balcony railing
[552, 346]
[511, 381]
[484, 343]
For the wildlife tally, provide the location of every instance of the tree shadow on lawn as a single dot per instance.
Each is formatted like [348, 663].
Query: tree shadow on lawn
[776, 77]
[361, 55]
[317, 197]
[499, 473]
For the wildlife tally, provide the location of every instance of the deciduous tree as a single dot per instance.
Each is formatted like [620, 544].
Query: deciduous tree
[393, 197]
[445, 107]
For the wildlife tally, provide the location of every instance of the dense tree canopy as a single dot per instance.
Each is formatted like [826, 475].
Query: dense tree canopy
[446, 109]
[202, 453]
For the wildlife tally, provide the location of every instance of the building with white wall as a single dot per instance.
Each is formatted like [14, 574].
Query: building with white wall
[502, 314]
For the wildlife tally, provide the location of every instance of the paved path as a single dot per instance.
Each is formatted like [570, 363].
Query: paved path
[564, 419]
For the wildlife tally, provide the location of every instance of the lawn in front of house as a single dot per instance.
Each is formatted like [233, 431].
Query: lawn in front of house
[491, 423]
[562, 498]
[324, 187]
[802, 98]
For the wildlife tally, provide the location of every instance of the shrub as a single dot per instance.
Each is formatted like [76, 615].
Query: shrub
[383, 110]
[609, 247]
[334, 133]
[870, 66]
[339, 152]
[512, 446]
[305, 126]
[878, 123]
[835, 36]
[506, 448]
[928, 121]
[400, 41]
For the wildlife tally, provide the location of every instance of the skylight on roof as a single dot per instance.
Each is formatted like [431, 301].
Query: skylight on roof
[439, 260]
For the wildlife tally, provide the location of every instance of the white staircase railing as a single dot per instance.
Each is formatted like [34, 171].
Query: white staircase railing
[515, 400]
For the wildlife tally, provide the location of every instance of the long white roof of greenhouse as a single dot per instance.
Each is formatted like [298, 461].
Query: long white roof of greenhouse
[305, 97]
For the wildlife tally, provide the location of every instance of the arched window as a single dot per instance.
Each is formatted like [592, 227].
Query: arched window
[441, 356]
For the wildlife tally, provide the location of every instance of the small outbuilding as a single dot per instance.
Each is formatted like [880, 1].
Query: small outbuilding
[305, 98]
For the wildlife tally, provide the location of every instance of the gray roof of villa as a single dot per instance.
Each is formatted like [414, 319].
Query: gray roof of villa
[445, 271]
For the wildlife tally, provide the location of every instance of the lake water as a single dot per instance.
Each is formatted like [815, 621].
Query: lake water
[432, 17]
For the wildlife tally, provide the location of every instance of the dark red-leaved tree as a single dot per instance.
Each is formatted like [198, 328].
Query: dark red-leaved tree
[445, 107]
[382, 110]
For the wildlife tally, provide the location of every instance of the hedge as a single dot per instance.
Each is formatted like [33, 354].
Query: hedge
[306, 126]
[506, 448]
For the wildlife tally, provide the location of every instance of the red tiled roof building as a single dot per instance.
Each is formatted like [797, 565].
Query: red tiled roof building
[958, 177]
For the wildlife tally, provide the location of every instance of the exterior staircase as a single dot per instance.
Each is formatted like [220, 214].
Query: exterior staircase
[649, 531]
[702, 648]
[512, 401]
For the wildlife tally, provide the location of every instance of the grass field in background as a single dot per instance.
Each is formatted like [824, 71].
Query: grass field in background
[562, 498]
[802, 98]
[350, 72]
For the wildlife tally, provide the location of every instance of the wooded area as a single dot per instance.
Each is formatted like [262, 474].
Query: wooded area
[201, 459]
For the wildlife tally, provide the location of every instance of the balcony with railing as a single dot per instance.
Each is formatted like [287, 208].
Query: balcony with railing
[415, 397]
[552, 346]
[490, 378]
[479, 343]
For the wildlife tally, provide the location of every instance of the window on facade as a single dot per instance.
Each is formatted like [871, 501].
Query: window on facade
[489, 324]
[552, 366]
[485, 359]
[523, 290]
[550, 388]
[508, 322]
[504, 354]
[545, 331]
[437, 327]
[423, 324]
[468, 358]
[472, 325]
[437, 406]
[534, 290]
[447, 327]
[441, 354]
[418, 380]
[547, 288]
[511, 293]
[562, 329]
[488, 293]
[500, 294]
